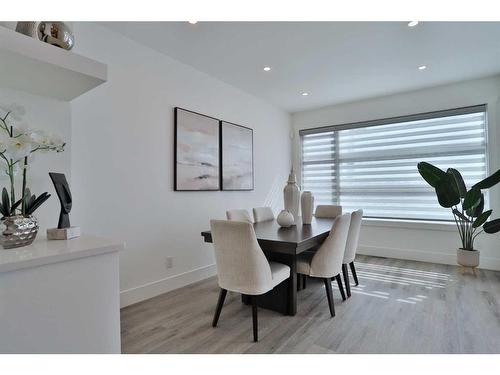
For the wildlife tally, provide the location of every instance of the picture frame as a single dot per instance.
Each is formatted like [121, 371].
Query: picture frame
[237, 161]
[196, 151]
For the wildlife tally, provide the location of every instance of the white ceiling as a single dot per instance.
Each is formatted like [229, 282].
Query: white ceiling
[333, 61]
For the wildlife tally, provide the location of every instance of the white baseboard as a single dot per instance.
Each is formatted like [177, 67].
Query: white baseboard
[425, 256]
[155, 288]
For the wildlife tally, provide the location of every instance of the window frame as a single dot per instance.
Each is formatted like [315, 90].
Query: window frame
[394, 120]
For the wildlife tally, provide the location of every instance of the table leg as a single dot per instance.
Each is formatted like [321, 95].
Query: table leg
[292, 287]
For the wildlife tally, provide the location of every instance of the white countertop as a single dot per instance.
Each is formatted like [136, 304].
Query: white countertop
[43, 251]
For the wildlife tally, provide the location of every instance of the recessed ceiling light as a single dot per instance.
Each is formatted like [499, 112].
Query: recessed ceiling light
[422, 67]
[193, 22]
[305, 93]
[412, 23]
[267, 68]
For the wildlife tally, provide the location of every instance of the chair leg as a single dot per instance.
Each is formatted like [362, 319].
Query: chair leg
[354, 275]
[329, 295]
[345, 272]
[254, 318]
[218, 309]
[304, 282]
[341, 287]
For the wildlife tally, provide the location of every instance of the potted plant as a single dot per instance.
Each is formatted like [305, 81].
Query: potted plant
[467, 207]
[17, 144]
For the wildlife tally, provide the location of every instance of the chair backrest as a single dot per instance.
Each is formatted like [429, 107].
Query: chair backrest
[353, 236]
[241, 265]
[263, 214]
[327, 262]
[328, 210]
[239, 215]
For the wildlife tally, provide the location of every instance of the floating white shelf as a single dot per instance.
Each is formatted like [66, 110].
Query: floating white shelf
[39, 68]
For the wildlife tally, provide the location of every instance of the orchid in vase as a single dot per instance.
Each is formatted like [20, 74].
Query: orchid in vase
[18, 143]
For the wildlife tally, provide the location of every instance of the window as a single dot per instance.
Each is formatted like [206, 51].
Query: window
[373, 165]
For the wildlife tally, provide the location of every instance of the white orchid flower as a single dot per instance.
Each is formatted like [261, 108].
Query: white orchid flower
[4, 141]
[22, 129]
[44, 141]
[40, 138]
[17, 148]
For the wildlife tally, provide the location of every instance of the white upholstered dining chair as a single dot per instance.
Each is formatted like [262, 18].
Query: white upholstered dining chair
[242, 266]
[239, 215]
[326, 262]
[350, 249]
[263, 214]
[322, 211]
[328, 210]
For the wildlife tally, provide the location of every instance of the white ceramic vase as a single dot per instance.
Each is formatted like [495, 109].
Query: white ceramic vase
[307, 207]
[285, 219]
[291, 194]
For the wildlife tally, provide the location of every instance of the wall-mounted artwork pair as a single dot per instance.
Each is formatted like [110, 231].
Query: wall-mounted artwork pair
[211, 154]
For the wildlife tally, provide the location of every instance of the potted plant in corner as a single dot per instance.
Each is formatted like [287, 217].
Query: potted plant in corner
[467, 207]
[17, 144]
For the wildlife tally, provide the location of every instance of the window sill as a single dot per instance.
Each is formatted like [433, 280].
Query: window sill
[410, 224]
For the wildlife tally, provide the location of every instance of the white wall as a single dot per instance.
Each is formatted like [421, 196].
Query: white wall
[55, 117]
[435, 243]
[122, 160]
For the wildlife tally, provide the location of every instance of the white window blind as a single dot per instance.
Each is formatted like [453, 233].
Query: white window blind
[373, 165]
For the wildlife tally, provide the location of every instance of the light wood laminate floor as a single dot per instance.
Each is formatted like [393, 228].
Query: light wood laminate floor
[399, 307]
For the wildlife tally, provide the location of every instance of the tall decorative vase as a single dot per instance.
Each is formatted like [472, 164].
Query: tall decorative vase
[291, 194]
[307, 207]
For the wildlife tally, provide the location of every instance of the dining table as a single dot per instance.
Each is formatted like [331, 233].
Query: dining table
[284, 245]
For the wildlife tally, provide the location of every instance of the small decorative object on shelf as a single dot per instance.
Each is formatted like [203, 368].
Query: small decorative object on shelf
[19, 231]
[291, 194]
[285, 219]
[56, 33]
[307, 207]
[17, 144]
[64, 230]
[452, 192]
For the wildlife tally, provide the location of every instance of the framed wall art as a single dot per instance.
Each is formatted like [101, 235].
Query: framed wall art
[197, 151]
[237, 157]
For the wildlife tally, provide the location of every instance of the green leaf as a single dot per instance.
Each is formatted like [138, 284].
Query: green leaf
[482, 219]
[472, 199]
[462, 189]
[461, 215]
[492, 226]
[5, 201]
[478, 210]
[37, 203]
[31, 200]
[14, 206]
[447, 191]
[26, 199]
[488, 181]
[2, 210]
[430, 173]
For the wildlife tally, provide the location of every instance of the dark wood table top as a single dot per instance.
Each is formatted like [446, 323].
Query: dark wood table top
[292, 240]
